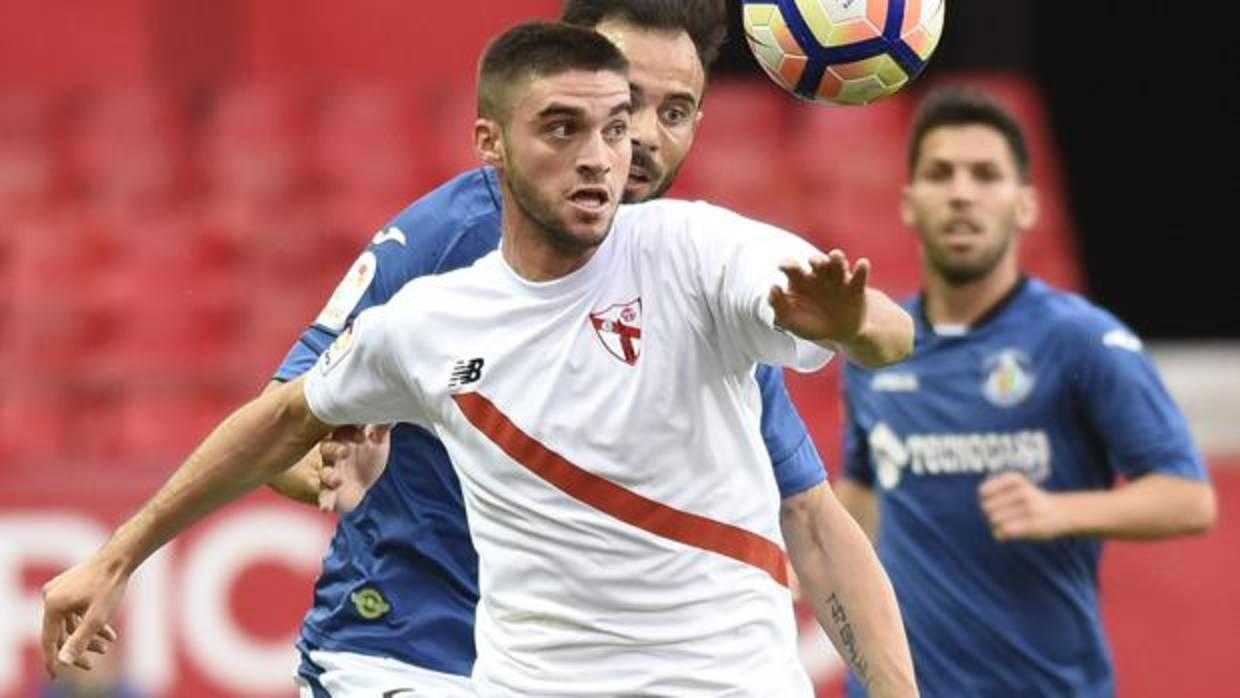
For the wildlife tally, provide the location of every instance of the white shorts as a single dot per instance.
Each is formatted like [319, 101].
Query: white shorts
[349, 675]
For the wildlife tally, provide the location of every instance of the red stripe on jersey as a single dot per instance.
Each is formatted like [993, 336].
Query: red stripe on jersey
[614, 500]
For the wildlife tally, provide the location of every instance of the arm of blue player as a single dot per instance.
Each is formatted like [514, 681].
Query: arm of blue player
[1143, 435]
[855, 489]
[1150, 507]
[249, 447]
[841, 578]
[336, 475]
[828, 301]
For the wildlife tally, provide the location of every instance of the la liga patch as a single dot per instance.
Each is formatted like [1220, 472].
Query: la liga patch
[348, 293]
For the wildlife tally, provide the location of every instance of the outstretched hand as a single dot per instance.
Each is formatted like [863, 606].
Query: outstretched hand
[353, 458]
[825, 300]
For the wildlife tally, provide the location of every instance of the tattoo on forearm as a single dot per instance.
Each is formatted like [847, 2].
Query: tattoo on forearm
[848, 641]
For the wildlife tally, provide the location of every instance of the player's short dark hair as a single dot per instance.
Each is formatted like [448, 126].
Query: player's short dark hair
[705, 21]
[967, 106]
[539, 49]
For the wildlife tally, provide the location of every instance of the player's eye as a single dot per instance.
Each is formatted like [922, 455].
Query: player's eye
[616, 130]
[561, 129]
[987, 173]
[674, 115]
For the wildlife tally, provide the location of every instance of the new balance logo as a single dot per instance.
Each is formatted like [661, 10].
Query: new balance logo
[465, 372]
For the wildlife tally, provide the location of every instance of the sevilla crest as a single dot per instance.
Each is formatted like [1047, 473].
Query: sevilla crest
[619, 328]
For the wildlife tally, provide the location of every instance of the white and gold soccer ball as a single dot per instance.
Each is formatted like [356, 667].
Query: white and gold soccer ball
[843, 51]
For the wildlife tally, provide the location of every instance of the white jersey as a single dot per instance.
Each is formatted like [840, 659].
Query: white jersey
[605, 427]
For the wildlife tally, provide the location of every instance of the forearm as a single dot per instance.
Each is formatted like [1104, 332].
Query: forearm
[886, 335]
[860, 503]
[254, 444]
[852, 598]
[1151, 507]
[299, 483]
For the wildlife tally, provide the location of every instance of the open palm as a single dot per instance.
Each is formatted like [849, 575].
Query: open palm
[824, 300]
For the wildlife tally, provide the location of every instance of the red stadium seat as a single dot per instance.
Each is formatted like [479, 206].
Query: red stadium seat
[31, 175]
[254, 146]
[370, 143]
[129, 149]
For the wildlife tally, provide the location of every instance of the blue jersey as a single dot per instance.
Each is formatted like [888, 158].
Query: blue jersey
[1047, 385]
[400, 578]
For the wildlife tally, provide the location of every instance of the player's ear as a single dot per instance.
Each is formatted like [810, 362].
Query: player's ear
[489, 142]
[1027, 207]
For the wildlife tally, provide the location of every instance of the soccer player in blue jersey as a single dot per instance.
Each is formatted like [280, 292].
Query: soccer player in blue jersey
[398, 585]
[986, 467]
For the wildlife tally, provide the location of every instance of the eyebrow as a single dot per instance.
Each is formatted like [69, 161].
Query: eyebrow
[556, 109]
[684, 96]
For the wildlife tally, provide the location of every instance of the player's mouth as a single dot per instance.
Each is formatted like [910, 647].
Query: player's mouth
[962, 227]
[639, 176]
[593, 200]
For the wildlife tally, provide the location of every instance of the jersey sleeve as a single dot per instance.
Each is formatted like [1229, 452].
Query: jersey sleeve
[377, 274]
[857, 464]
[359, 379]
[1141, 428]
[737, 262]
[797, 464]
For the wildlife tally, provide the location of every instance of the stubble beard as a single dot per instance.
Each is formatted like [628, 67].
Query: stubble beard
[962, 273]
[542, 214]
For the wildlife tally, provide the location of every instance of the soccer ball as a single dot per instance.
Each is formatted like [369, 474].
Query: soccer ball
[843, 51]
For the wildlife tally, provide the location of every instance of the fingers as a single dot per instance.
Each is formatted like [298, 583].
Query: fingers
[347, 434]
[333, 452]
[832, 269]
[1012, 528]
[327, 501]
[53, 631]
[860, 276]
[82, 630]
[780, 303]
[379, 432]
[1002, 484]
[101, 642]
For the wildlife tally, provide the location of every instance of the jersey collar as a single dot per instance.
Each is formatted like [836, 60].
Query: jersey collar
[984, 319]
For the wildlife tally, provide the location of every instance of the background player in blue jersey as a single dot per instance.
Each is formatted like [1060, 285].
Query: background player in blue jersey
[398, 585]
[987, 465]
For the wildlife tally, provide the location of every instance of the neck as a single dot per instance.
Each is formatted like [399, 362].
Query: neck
[532, 251]
[964, 304]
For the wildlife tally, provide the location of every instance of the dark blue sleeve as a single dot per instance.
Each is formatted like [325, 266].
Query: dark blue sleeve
[798, 467]
[857, 466]
[1129, 408]
[387, 263]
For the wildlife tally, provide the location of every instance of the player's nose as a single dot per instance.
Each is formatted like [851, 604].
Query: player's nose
[595, 157]
[644, 129]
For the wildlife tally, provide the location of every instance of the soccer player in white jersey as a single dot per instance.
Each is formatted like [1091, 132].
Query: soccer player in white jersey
[592, 383]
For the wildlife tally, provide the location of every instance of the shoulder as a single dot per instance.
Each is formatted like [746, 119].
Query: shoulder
[432, 293]
[676, 222]
[432, 225]
[1080, 324]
